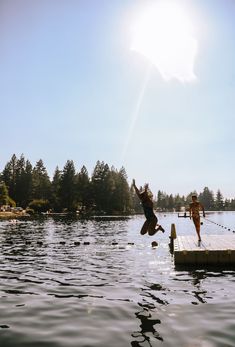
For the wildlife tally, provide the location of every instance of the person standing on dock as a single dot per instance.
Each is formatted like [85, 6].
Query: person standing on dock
[151, 219]
[194, 212]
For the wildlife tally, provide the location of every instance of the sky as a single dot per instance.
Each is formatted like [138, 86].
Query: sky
[87, 80]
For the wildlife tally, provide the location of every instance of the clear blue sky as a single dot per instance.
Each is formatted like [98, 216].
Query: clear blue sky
[70, 87]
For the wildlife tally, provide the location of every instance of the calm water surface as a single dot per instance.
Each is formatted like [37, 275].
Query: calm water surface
[102, 295]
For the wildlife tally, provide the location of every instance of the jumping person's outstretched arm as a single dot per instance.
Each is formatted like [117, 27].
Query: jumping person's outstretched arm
[136, 189]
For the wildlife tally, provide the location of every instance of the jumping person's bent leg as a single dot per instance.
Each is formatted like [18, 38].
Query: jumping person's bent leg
[145, 227]
[152, 225]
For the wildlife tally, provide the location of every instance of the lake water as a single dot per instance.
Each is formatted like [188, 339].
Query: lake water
[103, 295]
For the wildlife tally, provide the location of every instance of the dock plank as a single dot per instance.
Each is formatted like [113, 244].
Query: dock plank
[213, 249]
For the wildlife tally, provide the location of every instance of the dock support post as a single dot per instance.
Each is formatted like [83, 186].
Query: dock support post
[172, 237]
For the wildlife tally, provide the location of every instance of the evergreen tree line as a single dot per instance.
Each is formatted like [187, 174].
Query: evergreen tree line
[211, 201]
[106, 191]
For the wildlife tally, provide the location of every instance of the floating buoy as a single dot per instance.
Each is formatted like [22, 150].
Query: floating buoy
[114, 243]
[4, 326]
[86, 243]
[62, 242]
[40, 243]
[154, 244]
[28, 242]
[131, 243]
[77, 243]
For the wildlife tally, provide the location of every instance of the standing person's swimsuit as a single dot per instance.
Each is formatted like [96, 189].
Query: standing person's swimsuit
[195, 212]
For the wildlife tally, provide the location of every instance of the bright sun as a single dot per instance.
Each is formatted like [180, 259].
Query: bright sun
[163, 33]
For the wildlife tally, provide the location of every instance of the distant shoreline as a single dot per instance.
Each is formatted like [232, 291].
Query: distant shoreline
[10, 215]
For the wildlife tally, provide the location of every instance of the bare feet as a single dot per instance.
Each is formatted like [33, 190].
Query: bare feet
[153, 232]
[160, 228]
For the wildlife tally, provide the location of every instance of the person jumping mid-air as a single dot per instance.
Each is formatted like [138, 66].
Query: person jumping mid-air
[194, 212]
[151, 219]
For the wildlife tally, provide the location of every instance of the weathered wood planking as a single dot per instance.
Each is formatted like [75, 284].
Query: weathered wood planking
[213, 249]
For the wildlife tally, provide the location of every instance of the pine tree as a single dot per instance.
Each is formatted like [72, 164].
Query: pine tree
[9, 175]
[27, 183]
[3, 194]
[219, 201]
[227, 204]
[101, 186]
[19, 182]
[207, 199]
[56, 202]
[178, 202]
[171, 203]
[68, 187]
[41, 185]
[83, 189]
[160, 199]
[120, 196]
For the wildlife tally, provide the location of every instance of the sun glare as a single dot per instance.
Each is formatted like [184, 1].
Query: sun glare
[163, 33]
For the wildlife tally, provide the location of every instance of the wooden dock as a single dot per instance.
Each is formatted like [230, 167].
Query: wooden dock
[213, 249]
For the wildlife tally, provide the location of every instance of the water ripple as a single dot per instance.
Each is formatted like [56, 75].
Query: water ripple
[115, 290]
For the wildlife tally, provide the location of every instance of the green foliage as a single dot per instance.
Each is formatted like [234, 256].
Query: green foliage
[55, 191]
[67, 187]
[110, 189]
[101, 185]
[167, 202]
[17, 175]
[39, 205]
[219, 201]
[4, 197]
[207, 199]
[9, 176]
[41, 185]
[3, 194]
[106, 191]
[11, 202]
[83, 189]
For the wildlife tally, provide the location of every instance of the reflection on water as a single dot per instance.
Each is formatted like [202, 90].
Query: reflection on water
[98, 282]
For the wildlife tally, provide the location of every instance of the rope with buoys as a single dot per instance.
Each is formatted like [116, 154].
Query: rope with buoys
[220, 225]
[185, 215]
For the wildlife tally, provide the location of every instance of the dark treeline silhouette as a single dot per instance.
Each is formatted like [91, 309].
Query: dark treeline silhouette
[105, 191]
[211, 201]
